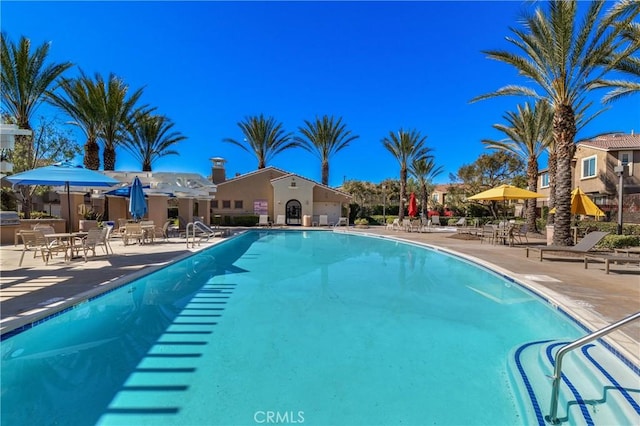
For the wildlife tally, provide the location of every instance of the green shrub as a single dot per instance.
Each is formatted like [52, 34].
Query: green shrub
[361, 222]
[248, 220]
[619, 241]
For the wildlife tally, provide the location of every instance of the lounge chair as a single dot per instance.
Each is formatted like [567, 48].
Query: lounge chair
[342, 221]
[461, 222]
[264, 221]
[584, 246]
[395, 225]
[608, 258]
[435, 220]
[281, 220]
[323, 220]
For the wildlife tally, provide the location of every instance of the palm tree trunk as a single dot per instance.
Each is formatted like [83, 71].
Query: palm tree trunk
[564, 131]
[403, 191]
[91, 154]
[325, 173]
[146, 166]
[553, 170]
[423, 202]
[532, 172]
[109, 157]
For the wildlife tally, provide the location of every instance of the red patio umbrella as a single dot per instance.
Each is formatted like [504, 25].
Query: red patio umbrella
[413, 206]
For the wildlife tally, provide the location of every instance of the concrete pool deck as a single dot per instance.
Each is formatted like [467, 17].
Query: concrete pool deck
[593, 297]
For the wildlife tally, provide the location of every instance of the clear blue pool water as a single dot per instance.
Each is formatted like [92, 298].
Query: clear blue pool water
[301, 327]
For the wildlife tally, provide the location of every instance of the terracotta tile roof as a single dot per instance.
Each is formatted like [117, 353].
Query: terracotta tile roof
[613, 141]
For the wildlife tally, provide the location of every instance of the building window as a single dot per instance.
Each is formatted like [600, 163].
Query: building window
[435, 197]
[237, 204]
[544, 180]
[214, 204]
[589, 167]
[226, 204]
[625, 158]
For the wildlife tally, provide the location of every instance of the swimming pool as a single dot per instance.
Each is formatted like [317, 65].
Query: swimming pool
[300, 327]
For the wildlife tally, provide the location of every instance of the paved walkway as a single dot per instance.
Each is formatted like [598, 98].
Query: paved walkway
[35, 290]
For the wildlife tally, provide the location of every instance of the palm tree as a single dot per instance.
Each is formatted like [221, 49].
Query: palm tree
[325, 137]
[529, 133]
[629, 65]
[264, 137]
[150, 137]
[24, 82]
[81, 100]
[117, 112]
[563, 54]
[405, 147]
[424, 170]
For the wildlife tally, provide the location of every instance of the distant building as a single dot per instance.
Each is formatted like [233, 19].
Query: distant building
[274, 192]
[593, 170]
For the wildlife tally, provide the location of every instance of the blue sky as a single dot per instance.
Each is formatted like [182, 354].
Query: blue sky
[381, 66]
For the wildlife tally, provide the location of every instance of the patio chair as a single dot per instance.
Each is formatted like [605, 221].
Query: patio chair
[95, 237]
[395, 225]
[488, 233]
[281, 220]
[584, 246]
[519, 232]
[406, 225]
[133, 232]
[35, 240]
[264, 221]
[323, 220]
[435, 220]
[461, 222]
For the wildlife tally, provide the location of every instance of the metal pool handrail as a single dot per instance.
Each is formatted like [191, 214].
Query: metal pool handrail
[557, 373]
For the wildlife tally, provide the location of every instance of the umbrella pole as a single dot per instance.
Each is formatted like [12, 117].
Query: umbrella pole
[66, 185]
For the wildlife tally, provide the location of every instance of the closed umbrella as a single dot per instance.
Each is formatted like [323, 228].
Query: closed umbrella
[64, 173]
[137, 203]
[413, 206]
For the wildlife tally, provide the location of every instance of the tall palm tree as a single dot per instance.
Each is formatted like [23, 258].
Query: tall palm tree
[627, 66]
[25, 79]
[405, 147]
[529, 132]
[325, 137]
[562, 53]
[424, 170]
[150, 137]
[80, 98]
[264, 137]
[117, 110]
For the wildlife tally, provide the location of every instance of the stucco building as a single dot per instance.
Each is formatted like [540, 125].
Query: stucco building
[274, 192]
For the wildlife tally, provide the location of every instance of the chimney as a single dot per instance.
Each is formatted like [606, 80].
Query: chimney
[217, 170]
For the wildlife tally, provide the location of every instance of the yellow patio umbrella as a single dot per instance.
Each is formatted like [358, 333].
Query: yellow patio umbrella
[506, 192]
[582, 204]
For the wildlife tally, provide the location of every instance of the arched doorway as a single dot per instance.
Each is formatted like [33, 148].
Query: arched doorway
[294, 212]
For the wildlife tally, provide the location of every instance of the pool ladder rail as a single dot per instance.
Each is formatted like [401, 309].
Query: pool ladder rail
[552, 417]
[202, 232]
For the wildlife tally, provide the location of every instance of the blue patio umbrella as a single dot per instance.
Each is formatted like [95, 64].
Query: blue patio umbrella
[137, 203]
[64, 173]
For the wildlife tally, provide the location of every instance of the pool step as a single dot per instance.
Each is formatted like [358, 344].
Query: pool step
[598, 388]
